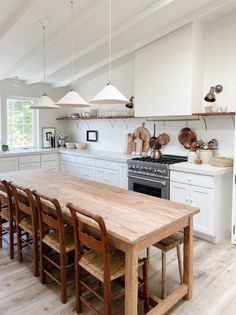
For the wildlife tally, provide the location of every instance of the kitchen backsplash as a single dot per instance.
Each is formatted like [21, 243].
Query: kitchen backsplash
[114, 139]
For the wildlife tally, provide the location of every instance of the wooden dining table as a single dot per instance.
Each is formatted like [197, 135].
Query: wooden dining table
[134, 222]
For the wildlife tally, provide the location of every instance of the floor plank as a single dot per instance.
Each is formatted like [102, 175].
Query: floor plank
[214, 290]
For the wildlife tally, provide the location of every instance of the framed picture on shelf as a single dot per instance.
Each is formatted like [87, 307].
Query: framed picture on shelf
[92, 135]
[47, 133]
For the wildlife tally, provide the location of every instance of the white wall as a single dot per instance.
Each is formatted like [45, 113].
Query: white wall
[219, 68]
[220, 60]
[46, 118]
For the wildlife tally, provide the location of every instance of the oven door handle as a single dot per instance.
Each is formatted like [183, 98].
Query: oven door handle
[162, 182]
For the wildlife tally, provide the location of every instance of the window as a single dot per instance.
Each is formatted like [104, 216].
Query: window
[21, 123]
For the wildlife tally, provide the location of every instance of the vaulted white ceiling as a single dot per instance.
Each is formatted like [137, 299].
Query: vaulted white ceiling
[135, 24]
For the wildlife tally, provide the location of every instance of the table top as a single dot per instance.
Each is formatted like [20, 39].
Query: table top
[129, 216]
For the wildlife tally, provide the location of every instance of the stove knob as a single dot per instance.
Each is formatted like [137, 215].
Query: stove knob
[145, 168]
[163, 172]
[155, 171]
[149, 168]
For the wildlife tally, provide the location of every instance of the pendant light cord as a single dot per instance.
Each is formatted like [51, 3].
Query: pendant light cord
[72, 42]
[44, 56]
[110, 11]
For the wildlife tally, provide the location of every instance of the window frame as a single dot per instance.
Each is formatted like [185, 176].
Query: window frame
[35, 122]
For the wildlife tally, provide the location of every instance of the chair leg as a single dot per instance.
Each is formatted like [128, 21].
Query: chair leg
[35, 256]
[148, 255]
[19, 244]
[180, 264]
[11, 240]
[163, 280]
[145, 286]
[107, 297]
[42, 262]
[78, 291]
[63, 278]
[0, 232]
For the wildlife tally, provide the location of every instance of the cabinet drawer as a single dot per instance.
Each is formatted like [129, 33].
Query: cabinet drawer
[107, 164]
[86, 161]
[68, 158]
[50, 165]
[29, 166]
[192, 179]
[9, 164]
[49, 157]
[29, 158]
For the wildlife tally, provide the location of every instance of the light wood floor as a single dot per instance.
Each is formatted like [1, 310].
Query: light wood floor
[214, 284]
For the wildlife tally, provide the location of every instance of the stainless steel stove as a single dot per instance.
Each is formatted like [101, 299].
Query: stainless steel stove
[151, 176]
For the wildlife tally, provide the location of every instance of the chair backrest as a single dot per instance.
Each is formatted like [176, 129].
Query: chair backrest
[50, 216]
[83, 237]
[24, 203]
[6, 196]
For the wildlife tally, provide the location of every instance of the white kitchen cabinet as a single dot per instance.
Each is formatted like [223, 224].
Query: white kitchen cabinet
[124, 175]
[86, 171]
[29, 162]
[168, 74]
[211, 194]
[8, 164]
[203, 198]
[50, 162]
[68, 168]
[106, 176]
[50, 165]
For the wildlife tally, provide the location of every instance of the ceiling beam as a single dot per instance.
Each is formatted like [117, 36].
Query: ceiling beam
[131, 22]
[17, 17]
[54, 38]
[164, 31]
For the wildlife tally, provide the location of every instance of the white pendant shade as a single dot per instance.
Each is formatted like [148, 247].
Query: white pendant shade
[44, 102]
[109, 95]
[72, 99]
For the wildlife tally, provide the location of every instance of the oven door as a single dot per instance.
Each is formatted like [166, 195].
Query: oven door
[157, 187]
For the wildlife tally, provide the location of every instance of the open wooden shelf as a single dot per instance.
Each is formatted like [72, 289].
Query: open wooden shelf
[90, 118]
[214, 114]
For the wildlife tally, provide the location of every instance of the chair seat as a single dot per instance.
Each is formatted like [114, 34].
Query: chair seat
[26, 225]
[53, 241]
[170, 242]
[5, 214]
[93, 263]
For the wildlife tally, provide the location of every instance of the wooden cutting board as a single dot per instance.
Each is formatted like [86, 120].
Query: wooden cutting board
[143, 134]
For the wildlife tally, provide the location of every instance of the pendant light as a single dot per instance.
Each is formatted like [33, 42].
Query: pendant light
[72, 98]
[109, 94]
[44, 102]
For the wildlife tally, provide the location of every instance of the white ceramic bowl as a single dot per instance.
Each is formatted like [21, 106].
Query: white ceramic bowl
[70, 145]
[80, 145]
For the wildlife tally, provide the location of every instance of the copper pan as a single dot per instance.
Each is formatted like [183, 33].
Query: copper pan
[187, 135]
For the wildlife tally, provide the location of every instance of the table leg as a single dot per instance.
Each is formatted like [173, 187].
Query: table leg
[131, 281]
[188, 258]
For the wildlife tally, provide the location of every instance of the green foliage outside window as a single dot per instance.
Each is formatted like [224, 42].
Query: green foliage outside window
[19, 123]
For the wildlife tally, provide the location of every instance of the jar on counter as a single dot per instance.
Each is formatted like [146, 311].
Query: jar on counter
[206, 156]
[192, 156]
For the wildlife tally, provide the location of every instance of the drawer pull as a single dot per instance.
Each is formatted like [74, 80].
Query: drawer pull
[187, 198]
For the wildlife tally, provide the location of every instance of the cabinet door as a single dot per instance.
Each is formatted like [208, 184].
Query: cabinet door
[81, 170]
[50, 165]
[68, 168]
[123, 175]
[112, 178]
[203, 198]
[179, 192]
[101, 175]
[91, 173]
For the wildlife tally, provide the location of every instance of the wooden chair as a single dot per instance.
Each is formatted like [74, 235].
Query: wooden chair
[165, 245]
[105, 264]
[26, 225]
[7, 217]
[56, 237]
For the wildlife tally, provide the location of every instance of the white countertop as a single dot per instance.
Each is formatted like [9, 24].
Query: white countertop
[20, 152]
[106, 155]
[204, 169]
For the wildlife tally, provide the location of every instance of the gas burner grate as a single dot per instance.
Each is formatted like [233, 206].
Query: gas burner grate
[166, 159]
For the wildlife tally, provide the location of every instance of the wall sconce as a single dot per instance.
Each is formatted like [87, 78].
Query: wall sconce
[211, 97]
[131, 102]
